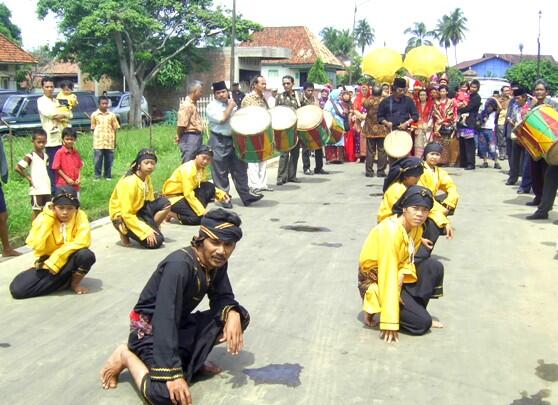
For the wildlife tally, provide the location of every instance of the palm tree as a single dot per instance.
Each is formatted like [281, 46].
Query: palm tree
[441, 33]
[329, 37]
[419, 37]
[364, 35]
[457, 26]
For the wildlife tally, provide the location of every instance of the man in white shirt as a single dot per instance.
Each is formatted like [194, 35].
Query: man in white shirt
[52, 123]
[225, 161]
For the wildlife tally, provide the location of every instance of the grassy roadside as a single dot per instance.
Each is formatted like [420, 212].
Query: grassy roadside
[94, 195]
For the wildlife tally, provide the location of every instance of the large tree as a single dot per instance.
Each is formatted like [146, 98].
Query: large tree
[317, 73]
[8, 28]
[364, 35]
[339, 42]
[419, 36]
[525, 73]
[442, 32]
[457, 26]
[138, 38]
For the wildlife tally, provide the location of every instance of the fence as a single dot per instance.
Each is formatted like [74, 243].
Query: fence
[201, 105]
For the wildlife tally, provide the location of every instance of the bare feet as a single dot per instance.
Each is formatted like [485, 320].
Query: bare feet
[113, 367]
[210, 368]
[75, 284]
[124, 239]
[437, 324]
[10, 253]
[172, 218]
[370, 320]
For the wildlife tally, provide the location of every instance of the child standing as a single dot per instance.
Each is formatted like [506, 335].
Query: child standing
[7, 249]
[67, 101]
[39, 182]
[487, 135]
[104, 125]
[67, 162]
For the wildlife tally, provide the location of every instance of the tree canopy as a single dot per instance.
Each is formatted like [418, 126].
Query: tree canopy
[317, 73]
[525, 74]
[364, 35]
[139, 39]
[419, 36]
[339, 42]
[8, 28]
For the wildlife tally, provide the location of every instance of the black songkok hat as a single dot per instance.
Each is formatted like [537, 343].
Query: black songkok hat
[66, 195]
[414, 196]
[520, 91]
[399, 83]
[432, 147]
[221, 225]
[218, 86]
[204, 150]
[404, 167]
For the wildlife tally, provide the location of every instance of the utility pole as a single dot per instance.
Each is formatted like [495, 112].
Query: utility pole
[233, 39]
[539, 48]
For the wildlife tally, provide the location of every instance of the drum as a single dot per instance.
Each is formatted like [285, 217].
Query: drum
[538, 133]
[398, 144]
[252, 134]
[311, 127]
[335, 127]
[283, 122]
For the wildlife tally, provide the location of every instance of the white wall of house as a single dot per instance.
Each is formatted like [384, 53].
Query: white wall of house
[7, 77]
[274, 73]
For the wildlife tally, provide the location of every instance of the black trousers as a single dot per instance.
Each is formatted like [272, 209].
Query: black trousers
[467, 152]
[549, 189]
[225, 161]
[196, 339]
[432, 233]
[538, 170]
[373, 145]
[36, 282]
[318, 157]
[413, 316]
[147, 215]
[186, 215]
[287, 164]
[515, 159]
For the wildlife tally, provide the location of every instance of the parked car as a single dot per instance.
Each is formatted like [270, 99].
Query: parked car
[488, 85]
[5, 94]
[21, 113]
[120, 105]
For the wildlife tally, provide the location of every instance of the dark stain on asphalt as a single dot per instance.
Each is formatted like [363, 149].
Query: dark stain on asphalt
[325, 203]
[305, 228]
[548, 372]
[376, 194]
[536, 399]
[5, 345]
[274, 219]
[300, 222]
[328, 244]
[283, 374]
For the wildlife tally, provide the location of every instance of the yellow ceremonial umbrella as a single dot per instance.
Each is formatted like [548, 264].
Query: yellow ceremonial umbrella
[425, 61]
[381, 64]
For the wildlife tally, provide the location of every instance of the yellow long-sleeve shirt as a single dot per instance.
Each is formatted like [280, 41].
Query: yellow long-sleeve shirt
[394, 193]
[128, 197]
[49, 237]
[183, 183]
[437, 179]
[388, 252]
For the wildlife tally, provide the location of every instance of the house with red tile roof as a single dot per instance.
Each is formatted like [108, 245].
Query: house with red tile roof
[496, 65]
[11, 56]
[305, 48]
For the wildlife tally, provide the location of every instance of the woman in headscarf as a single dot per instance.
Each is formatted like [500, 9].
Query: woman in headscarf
[133, 208]
[396, 289]
[340, 111]
[324, 97]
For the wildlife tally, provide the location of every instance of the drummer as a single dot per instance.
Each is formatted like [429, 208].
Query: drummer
[257, 172]
[225, 160]
[309, 99]
[398, 111]
[288, 160]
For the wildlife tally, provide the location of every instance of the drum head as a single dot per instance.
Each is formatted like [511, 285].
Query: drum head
[282, 118]
[250, 120]
[398, 144]
[328, 119]
[309, 117]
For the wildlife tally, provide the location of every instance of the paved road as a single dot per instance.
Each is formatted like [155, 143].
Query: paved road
[300, 287]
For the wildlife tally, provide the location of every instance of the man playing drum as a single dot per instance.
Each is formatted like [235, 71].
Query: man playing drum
[309, 99]
[257, 172]
[288, 160]
[225, 161]
[397, 111]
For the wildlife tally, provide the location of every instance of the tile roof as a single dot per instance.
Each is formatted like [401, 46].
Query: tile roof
[10, 52]
[508, 57]
[305, 46]
[59, 68]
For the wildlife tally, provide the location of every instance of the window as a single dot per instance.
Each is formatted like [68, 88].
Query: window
[274, 73]
[87, 103]
[4, 82]
[30, 108]
[4, 68]
[125, 102]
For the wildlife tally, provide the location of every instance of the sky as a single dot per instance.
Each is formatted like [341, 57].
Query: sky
[494, 26]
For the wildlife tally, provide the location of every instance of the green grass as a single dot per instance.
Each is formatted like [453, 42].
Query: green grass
[94, 195]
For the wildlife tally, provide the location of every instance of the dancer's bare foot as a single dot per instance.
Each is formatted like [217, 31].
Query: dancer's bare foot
[75, 284]
[172, 218]
[10, 253]
[210, 368]
[437, 324]
[369, 320]
[113, 367]
[125, 240]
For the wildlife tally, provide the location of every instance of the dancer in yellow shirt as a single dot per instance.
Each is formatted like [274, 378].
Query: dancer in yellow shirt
[188, 190]
[394, 288]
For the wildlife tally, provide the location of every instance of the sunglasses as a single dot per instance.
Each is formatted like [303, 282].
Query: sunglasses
[286, 83]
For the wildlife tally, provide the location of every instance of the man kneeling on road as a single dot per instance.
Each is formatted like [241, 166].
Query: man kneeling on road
[168, 343]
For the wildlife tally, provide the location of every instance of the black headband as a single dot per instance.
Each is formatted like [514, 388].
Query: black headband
[220, 230]
[404, 167]
[432, 147]
[65, 198]
[414, 196]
